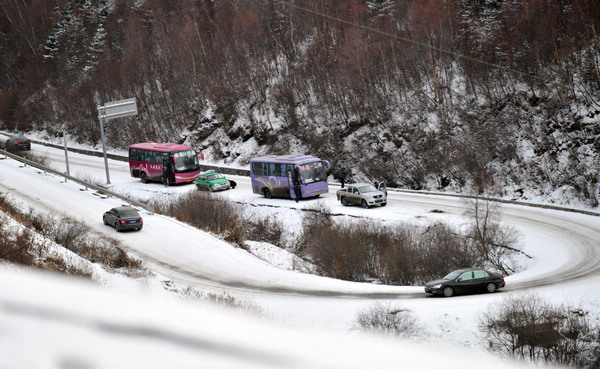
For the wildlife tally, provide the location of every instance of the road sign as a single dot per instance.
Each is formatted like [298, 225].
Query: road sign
[118, 109]
[112, 110]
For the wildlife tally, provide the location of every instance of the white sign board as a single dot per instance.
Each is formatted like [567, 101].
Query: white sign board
[118, 109]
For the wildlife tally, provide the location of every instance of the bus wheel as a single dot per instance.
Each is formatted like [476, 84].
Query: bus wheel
[144, 178]
[267, 193]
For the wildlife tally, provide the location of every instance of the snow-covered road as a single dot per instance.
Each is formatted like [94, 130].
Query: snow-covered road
[565, 245]
[565, 248]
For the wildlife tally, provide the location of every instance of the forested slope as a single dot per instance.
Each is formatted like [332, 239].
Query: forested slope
[490, 96]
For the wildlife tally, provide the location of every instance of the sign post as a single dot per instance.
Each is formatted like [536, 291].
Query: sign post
[112, 110]
[66, 154]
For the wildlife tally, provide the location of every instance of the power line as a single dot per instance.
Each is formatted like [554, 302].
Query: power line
[413, 42]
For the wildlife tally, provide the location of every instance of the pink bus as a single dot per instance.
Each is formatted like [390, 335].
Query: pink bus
[147, 160]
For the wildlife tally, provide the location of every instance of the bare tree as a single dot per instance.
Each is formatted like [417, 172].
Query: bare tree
[496, 243]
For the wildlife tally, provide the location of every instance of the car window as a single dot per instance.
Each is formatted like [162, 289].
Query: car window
[368, 188]
[466, 276]
[129, 213]
[480, 274]
[452, 276]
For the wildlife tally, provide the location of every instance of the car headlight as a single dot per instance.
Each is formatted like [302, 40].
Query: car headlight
[437, 286]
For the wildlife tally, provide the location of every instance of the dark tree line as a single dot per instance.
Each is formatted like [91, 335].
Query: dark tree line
[428, 92]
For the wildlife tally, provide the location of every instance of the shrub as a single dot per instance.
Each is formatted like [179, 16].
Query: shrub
[221, 299]
[207, 211]
[528, 327]
[387, 319]
[443, 248]
[263, 230]
[16, 248]
[339, 251]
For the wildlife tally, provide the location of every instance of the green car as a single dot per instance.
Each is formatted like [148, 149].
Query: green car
[212, 181]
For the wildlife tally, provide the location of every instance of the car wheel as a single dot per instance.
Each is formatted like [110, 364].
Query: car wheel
[267, 193]
[104, 220]
[211, 189]
[491, 287]
[118, 226]
[344, 201]
[364, 204]
[144, 178]
[448, 291]
[198, 187]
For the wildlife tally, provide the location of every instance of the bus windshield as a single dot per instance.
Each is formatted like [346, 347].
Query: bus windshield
[186, 161]
[313, 172]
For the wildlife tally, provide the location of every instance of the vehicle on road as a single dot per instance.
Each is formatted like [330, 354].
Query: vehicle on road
[463, 281]
[212, 181]
[363, 194]
[289, 176]
[122, 218]
[149, 160]
[18, 143]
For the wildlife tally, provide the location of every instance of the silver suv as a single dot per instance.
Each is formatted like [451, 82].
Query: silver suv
[363, 194]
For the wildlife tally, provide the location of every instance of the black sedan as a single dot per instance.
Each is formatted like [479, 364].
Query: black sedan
[123, 217]
[18, 143]
[466, 281]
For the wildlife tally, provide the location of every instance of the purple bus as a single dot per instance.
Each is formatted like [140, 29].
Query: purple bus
[274, 176]
[147, 159]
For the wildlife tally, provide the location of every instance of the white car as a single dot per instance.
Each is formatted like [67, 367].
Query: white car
[363, 194]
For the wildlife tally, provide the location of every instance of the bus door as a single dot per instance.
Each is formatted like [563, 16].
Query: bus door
[291, 183]
[171, 169]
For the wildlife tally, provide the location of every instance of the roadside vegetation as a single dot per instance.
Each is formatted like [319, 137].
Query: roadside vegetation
[529, 327]
[362, 250]
[55, 243]
[222, 299]
[391, 320]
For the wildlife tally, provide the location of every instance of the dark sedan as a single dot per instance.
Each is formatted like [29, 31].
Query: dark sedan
[466, 281]
[122, 218]
[18, 143]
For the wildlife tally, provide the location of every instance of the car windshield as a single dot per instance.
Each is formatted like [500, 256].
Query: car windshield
[453, 275]
[186, 161]
[313, 172]
[367, 188]
[128, 213]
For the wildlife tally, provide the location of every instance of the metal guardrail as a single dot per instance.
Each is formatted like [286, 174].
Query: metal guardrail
[204, 167]
[87, 185]
[499, 200]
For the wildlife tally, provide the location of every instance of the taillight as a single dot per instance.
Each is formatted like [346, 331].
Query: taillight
[122, 221]
[502, 277]
[141, 220]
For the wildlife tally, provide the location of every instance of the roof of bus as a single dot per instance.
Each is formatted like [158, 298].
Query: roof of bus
[156, 146]
[296, 159]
